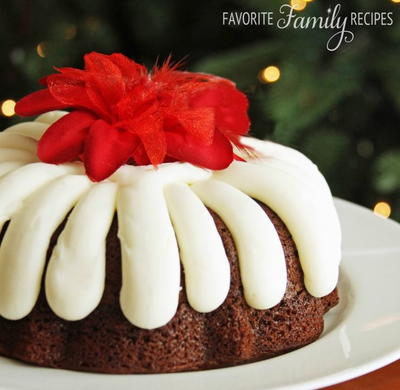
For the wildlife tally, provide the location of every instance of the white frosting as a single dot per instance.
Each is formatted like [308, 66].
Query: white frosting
[19, 184]
[164, 174]
[73, 295]
[23, 250]
[158, 210]
[9, 166]
[50, 117]
[150, 256]
[17, 155]
[306, 210]
[261, 257]
[207, 271]
[15, 151]
[17, 141]
[32, 130]
[271, 150]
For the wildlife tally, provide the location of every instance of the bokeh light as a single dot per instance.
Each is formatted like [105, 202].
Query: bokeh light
[270, 74]
[8, 107]
[383, 209]
[40, 50]
[298, 5]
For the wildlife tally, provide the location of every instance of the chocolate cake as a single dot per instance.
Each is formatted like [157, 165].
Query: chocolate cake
[233, 334]
[143, 232]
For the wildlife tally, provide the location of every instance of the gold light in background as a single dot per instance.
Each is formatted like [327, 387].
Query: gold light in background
[395, 1]
[270, 74]
[40, 50]
[298, 5]
[383, 209]
[7, 107]
[70, 32]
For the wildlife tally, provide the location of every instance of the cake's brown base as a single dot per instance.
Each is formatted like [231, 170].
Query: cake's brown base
[233, 334]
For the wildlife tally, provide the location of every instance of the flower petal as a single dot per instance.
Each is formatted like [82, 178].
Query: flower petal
[230, 106]
[218, 155]
[68, 90]
[149, 128]
[37, 103]
[73, 93]
[140, 156]
[232, 121]
[73, 73]
[198, 122]
[106, 76]
[155, 143]
[95, 100]
[63, 141]
[131, 71]
[106, 149]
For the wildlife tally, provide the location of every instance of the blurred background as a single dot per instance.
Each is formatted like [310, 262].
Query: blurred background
[342, 109]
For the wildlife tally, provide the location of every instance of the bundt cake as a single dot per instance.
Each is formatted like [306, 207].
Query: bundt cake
[167, 266]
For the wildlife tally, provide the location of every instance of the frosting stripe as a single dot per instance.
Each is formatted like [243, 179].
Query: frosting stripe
[28, 129]
[293, 163]
[23, 156]
[6, 167]
[22, 256]
[270, 150]
[165, 173]
[313, 183]
[17, 141]
[19, 184]
[261, 257]
[305, 213]
[207, 271]
[49, 118]
[150, 257]
[76, 271]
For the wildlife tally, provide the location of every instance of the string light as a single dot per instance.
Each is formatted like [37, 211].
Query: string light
[299, 5]
[270, 74]
[383, 209]
[7, 107]
[40, 50]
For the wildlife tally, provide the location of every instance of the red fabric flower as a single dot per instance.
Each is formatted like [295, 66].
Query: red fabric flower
[122, 112]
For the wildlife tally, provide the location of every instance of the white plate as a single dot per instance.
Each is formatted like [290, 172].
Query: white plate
[361, 334]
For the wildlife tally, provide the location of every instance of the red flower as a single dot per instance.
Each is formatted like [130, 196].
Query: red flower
[121, 112]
